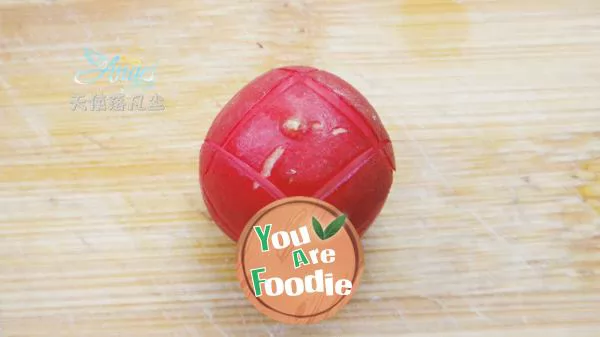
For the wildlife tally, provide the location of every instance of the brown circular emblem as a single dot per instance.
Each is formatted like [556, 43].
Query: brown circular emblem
[299, 260]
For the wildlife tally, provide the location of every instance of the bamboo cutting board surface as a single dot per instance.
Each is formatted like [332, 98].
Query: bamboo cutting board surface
[492, 226]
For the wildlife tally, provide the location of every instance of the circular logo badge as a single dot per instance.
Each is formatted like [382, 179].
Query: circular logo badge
[299, 260]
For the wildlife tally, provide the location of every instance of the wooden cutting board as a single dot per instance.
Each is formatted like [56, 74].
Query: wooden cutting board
[492, 227]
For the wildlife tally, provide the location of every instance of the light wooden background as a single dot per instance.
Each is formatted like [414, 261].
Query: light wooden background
[492, 227]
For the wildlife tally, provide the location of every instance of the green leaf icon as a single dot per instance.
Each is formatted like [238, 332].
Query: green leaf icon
[331, 229]
[318, 229]
[335, 226]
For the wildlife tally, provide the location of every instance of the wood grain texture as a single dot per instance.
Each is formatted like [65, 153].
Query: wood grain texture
[492, 227]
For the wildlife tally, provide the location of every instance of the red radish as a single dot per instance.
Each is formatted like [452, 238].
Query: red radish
[296, 131]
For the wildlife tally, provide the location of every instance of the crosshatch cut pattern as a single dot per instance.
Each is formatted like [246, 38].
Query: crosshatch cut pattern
[301, 84]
